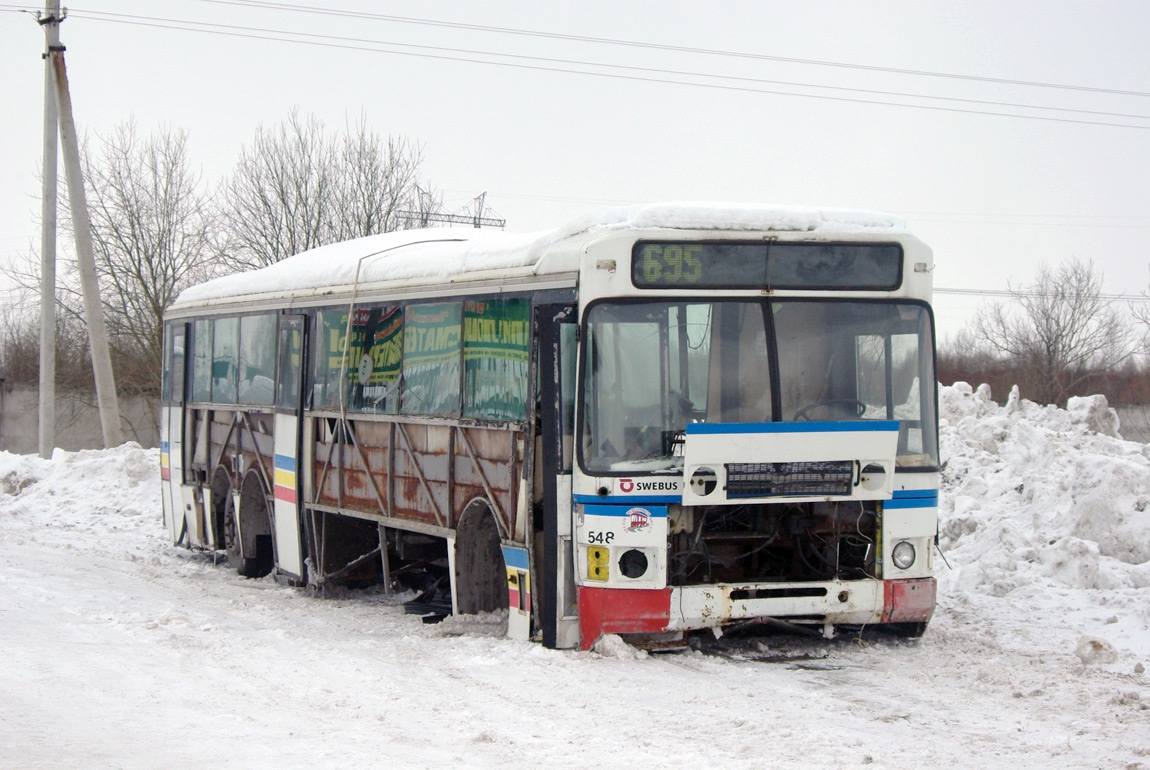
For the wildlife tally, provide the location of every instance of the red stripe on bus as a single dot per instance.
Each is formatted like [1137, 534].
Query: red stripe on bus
[908, 601]
[621, 611]
[287, 494]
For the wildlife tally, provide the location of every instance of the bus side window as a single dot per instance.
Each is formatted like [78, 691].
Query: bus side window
[431, 353]
[166, 382]
[174, 388]
[202, 360]
[495, 347]
[224, 356]
[257, 359]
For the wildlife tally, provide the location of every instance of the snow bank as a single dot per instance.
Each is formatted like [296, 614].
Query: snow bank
[1036, 492]
[111, 497]
[1044, 523]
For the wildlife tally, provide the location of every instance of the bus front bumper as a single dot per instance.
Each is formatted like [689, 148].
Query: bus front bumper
[686, 608]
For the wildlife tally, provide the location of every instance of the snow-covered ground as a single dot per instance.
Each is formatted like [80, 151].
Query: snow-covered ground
[119, 650]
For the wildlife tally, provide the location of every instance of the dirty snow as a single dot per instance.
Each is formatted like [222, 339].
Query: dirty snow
[123, 651]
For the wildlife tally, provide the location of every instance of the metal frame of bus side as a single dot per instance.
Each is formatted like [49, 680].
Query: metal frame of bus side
[207, 416]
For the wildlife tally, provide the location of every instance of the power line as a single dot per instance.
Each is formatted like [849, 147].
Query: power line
[348, 43]
[267, 5]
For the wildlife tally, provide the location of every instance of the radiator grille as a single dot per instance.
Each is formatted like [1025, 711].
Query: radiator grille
[823, 477]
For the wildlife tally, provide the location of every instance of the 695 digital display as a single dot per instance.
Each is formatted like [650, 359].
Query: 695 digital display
[766, 264]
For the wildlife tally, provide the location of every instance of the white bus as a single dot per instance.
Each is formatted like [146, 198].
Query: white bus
[655, 420]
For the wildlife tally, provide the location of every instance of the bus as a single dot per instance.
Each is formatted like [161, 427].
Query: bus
[656, 420]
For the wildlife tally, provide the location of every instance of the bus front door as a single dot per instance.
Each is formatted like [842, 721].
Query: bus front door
[289, 389]
[558, 607]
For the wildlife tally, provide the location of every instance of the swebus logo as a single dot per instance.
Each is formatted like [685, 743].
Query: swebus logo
[629, 485]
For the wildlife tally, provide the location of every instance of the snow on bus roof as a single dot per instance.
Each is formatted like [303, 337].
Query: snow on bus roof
[442, 252]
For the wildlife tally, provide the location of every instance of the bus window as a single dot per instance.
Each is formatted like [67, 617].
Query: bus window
[166, 381]
[431, 348]
[495, 338]
[225, 344]
[331, 329]
[652, 367]
[257, 359]
[202, 360]
[871, 372]
[376, 359]
[859, 360]
[177, 367]
[567, 339]
[289, 350]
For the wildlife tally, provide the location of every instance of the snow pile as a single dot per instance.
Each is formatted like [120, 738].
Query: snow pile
[1035, 492]
[111, 498]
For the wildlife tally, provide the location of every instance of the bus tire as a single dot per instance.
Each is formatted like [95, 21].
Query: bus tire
[480, 575]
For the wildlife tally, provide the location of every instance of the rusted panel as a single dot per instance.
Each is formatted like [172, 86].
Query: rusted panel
[421, 474]
[434, 473]
[493, 470]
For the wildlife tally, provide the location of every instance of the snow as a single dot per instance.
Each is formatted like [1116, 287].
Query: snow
[121, 650]
[440, 252]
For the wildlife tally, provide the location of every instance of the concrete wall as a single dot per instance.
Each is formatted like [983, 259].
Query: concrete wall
[77, 420]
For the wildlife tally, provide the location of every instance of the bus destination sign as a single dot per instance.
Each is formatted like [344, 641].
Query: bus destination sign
[766, 265]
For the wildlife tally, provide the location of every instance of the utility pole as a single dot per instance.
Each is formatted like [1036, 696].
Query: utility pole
[82, 230]
[50, 21]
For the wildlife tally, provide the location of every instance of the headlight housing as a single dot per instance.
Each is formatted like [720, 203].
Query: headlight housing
[903, 555]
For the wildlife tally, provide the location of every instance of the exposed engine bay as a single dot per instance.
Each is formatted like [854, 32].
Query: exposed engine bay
[774, 542]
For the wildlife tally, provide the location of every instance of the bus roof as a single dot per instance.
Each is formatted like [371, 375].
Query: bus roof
[438, 254]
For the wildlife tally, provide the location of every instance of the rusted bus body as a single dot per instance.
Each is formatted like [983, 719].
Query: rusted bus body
[427, 473]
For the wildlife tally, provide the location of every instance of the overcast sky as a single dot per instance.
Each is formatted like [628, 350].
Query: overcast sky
[771, 102]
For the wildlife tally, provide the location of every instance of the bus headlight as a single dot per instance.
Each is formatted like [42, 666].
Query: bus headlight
[903, 555]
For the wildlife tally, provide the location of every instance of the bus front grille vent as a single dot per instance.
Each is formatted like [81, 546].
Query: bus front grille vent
[822, 477]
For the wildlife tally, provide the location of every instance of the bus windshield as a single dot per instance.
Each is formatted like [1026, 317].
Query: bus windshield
[652, 367]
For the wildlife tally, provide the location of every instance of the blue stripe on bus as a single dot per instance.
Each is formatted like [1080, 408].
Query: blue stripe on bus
[628, 499]
[841, 426]
[285, 463]
[913, 498]
[906, 494]
[656, 511]
[515, 558]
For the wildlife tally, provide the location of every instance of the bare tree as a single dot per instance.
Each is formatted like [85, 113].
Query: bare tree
[1059, 330]
[153, 233]
[1141, 313]
[297, 187]
[20, 348]
[377, 185]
